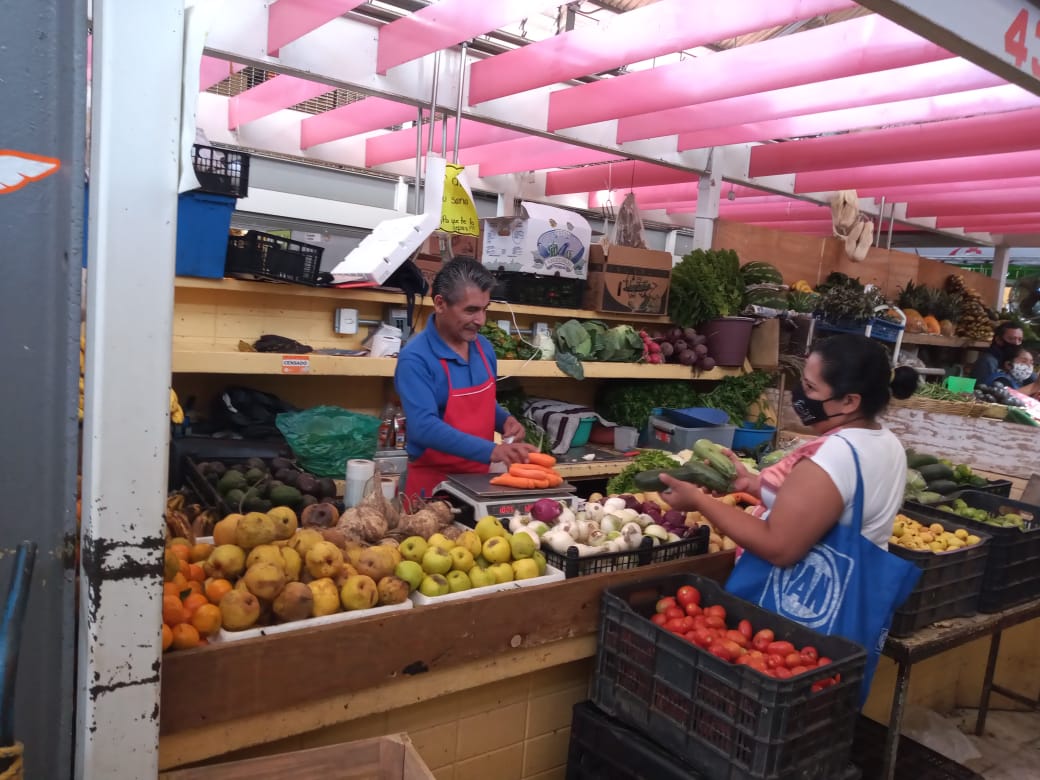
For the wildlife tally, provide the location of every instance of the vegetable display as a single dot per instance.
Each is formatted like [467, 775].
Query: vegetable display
[960, 508]
[912, 535]
[705, 285]
[684, 346]
[508, 346]
[709, 467]
[624, 482]
[929, 479]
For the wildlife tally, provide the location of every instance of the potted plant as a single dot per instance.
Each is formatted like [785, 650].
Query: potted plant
[707, 293]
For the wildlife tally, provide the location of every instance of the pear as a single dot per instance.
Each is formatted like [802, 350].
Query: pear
[334, 535]
[352, 552]
[227, 561]
[264, 580]
[324, 560]
[326, 597]
[291, 562]
[471, 541]
[304, 539]
[359, 592]
[285, 521]
[254, 529]
[376, 562]
[295, 602]
[239, 610]
[345, 571]
[224, 531]
[392, 590]
[266, 553]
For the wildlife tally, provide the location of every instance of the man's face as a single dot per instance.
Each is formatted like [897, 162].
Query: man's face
[460, 321]
[1012, 337]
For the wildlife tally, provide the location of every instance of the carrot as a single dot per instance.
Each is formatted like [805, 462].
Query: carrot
[745, 498]
[555, 479]
[525, 470]
[541, 459]
[524, 483]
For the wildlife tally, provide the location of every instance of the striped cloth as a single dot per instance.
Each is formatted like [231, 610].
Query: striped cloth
[559, 420]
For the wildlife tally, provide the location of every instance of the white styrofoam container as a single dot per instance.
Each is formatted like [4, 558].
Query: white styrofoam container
[282, 628]
[551, 575]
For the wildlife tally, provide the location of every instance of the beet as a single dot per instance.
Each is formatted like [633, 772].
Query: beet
[701, 350]
[708, 363]
[631, 503]
[688, 357]
[667, 349]
[674, 333]
[680, 345]
[674, 517]
[689, 334]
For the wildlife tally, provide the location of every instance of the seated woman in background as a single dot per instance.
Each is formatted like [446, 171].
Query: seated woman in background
[1016, 372]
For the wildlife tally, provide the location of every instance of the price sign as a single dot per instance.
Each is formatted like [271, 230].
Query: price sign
[458, 214]
[1022, 41]
[296, 364]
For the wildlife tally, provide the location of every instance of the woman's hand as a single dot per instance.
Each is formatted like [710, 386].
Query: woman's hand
[684, 496]
[745, 481]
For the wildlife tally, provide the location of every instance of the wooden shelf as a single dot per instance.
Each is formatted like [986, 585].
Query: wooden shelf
[379, 295]
[591, 469]
[202, 362]
[925, 339]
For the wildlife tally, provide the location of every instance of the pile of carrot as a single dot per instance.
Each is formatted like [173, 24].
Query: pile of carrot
[536, 474]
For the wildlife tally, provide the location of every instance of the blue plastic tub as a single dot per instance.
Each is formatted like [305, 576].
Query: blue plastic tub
[581, 435]
[203, 221]
[750, 436]
[695, 416]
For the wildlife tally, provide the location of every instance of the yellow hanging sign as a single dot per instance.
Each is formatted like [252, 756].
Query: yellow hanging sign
[458, 214]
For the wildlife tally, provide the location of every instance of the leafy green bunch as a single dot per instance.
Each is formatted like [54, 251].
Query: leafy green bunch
[704, 286]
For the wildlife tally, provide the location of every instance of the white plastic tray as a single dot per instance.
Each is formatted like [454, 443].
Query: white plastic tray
[282, 628]
[551, 575]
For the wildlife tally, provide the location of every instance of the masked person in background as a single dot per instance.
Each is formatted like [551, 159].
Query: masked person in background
[1006, 338]
[1016, 372]
[818, 553]
[445, 379]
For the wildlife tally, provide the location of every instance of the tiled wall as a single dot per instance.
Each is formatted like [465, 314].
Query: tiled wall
[517, 729]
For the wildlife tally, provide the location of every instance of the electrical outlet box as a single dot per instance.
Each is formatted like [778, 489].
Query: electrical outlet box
[398, 318]
[346, 322]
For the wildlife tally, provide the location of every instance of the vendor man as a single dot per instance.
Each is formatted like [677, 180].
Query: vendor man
[1006, 337]
[445, 378]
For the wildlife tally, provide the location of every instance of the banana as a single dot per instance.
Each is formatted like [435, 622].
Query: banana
[175, 502]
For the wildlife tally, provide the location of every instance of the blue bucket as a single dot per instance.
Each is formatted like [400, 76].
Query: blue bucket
[695, 416]
[751, 435]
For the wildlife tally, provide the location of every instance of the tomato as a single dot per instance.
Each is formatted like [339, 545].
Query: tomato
[674, 625]
[688, 594]
[719, 649]
[734, 649]
[674, 612]
[701, 620]
[743, 660]
[715, 609]
[818, 686]
[744, 627]
[664, 603]
[758, 664]
[687, 624]
[782, 673]
[779, 648]
[809, 653]
[797, 670]
[702, 638]
[773, 661]
[762, 639]
[689, 636]
[693, 609]
[738, 637]
[791, 660]
[658, 619]
[822, 661]
[714, 621]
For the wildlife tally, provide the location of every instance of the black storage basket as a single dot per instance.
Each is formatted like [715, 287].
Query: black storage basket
[574, 565]
[538, 290]
[913, 759]
[1012, 573]
[221, 171]
[259, 255]
[727, 721]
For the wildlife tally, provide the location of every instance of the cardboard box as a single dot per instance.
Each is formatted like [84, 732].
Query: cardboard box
[764, 350]
[383, 758]
[542, 240]
[626, 279]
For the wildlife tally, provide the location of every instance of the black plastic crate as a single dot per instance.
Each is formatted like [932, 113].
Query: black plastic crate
[950, 581]
[257, 255]
[538, 290]
[602, 748]
[725, 720]
[574, 565]
[913, 760]
[998, 487]
[1012, 573]
[221, 171]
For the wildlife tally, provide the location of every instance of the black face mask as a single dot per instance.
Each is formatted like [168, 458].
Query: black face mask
[809, 410]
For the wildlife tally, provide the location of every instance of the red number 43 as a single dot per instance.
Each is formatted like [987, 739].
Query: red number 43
[1015, 41]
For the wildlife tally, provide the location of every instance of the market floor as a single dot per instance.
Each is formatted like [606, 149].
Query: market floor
[1011, 746]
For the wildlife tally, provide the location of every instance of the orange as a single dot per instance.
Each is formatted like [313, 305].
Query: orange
[195, 573]
[200, 552]
[167, 637]
[185, 635]
[206, 619]
[194, 587]
[180, 581]
[173, 610]
[170, 589]
[193, 602]
[215, 589]
[182, 551]
[185, 568]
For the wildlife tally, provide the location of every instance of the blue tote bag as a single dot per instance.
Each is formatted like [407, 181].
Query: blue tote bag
[845, 585]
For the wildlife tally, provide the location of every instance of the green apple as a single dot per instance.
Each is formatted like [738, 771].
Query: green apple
[539, 557]
[411, 572]
[525, 569]
[496, 549]
[413, 548]
[434, 585]
[522, 545]
[461, 559]
[481, 562]
[458, 580]
[471, 541]
[503, 572]
[436, 561]
[488, 527]
[481, 577]
[440, 540]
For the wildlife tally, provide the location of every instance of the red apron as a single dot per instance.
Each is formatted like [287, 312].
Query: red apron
[469, 410]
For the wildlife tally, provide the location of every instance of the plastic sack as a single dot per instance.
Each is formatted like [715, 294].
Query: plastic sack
[326, 437]
[628, 230]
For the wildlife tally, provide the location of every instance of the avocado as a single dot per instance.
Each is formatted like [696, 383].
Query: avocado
[217, 468]
[287, 476]
[307, 500]
[286, 496]
[327, 487]
[307, 484]
[231, 480]
[277, 464]
[256, 463]
[254, 475]
[233, 498]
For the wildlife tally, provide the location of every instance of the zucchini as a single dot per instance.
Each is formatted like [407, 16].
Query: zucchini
[697, 473]
[705, 449]
[935, 471]
[916, 460]
[944, 486]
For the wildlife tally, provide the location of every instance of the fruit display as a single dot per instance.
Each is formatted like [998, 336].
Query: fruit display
[975, 322]
[679, 345]
[188, 520]
[929, 478]
[706, 627]
[1005, 520]
[930, 310]
[256, 485]
[996, 394]
[913, 535]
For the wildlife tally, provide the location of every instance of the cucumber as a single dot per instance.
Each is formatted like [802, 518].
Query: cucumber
[916, 460]
[705, 449]
[944, 487]
[935, 471]
[697, 473]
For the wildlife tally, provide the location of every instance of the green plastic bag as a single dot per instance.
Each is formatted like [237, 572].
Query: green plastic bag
[326, 437]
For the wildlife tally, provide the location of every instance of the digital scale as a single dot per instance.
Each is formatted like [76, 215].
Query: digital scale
[476, 497]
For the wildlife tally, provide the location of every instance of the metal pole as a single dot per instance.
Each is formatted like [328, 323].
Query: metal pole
[891, 225]
[418, 163]
[881, 218]
[444, 135]
[433, 100]
[458, 104]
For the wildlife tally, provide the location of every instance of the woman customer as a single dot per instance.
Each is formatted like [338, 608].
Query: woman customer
[817, 554]
[1016, 372]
